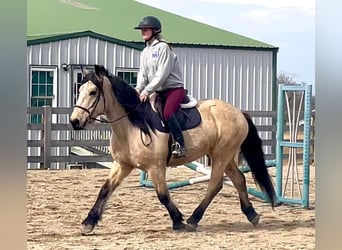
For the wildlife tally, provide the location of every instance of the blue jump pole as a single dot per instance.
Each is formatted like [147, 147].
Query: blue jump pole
[197, 167]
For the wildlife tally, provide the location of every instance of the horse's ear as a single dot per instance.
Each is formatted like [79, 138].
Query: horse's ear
[84, 71]
[97, 69]
[100, 70]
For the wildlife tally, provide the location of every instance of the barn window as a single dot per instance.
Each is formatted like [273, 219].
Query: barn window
[42, 84]
[128, 74]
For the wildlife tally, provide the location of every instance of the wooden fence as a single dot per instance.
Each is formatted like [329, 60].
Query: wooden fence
[57, 119]
[55, 131]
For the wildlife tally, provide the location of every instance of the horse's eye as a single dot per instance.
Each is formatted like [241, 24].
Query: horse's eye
[92, 93]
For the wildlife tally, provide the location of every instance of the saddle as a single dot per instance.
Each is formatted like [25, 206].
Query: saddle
[188, 116]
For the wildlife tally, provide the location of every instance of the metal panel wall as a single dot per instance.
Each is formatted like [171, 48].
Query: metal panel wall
[241, 77]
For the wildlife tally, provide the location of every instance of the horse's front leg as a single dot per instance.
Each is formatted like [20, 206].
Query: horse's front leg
[157, 176]
[117, 174]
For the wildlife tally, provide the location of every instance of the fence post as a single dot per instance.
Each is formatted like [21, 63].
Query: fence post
[47, 136]
[306, 146]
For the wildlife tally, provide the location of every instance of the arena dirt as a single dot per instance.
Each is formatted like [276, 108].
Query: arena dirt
[58, 201]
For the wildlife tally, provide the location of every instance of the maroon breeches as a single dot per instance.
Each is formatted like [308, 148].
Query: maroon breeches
[172, 99]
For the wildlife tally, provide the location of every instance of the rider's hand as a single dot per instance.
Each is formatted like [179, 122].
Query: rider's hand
[143, 97]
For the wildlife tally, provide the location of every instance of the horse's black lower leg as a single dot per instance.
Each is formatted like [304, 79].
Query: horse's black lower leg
[215, 185]
[239, 182]
[96, 211]
[250, 213]
[175, 214]
[157, 176]
[117, 174]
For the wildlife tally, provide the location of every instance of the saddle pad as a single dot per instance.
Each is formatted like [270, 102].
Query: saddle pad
[188, 119]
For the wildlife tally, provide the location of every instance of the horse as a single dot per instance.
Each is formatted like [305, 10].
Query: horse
[223, 133]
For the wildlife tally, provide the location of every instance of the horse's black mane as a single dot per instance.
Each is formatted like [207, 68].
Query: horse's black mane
[126, 95]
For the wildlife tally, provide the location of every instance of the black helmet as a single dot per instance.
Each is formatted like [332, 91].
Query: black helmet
[150, 22]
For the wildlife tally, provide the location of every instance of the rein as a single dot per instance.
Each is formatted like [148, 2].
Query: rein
[112, 121]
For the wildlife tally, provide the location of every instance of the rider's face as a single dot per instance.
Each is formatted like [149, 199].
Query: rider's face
[146, 33]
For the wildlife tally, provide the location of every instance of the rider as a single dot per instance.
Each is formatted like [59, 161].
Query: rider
[160, 72]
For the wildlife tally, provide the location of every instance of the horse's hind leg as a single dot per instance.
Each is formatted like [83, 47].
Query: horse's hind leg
[117, 174]
[239, 181]
[157, 175]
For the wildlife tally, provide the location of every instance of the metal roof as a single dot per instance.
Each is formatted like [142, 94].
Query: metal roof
[113, 20]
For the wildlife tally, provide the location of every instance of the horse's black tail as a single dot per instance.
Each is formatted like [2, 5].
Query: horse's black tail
[252, 151]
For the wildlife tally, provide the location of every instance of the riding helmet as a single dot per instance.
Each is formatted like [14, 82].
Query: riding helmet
[150, 22]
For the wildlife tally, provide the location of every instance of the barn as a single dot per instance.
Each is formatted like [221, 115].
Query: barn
[62, 35]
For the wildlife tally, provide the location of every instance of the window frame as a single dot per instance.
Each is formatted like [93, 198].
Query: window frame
[53, 97]
[127, 70]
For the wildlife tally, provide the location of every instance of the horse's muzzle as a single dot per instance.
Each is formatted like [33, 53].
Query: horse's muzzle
[76, 124]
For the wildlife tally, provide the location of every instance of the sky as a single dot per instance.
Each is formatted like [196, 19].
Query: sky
[286, 24]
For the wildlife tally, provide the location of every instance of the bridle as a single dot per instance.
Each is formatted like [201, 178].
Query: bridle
[94, 105]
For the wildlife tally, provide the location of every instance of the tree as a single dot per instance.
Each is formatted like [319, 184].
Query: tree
[284, 78]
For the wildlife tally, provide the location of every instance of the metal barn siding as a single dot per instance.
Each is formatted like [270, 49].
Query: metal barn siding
[241, 77]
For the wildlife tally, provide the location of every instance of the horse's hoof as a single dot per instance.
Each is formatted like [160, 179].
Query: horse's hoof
[87, 228]
[191, 227]
[255, 220]
[178, 227]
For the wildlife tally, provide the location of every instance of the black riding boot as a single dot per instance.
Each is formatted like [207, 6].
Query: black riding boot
[178, 147]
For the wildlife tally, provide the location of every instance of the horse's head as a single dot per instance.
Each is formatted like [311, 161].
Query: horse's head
[90, 102]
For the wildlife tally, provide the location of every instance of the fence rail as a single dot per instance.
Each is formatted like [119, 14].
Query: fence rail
[56, 132]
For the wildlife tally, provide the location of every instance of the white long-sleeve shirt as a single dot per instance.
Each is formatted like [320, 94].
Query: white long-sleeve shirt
[159, 69]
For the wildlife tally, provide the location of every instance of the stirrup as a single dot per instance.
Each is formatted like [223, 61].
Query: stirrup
[178, 151]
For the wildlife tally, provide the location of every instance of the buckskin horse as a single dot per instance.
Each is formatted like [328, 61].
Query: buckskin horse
[223, 132]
